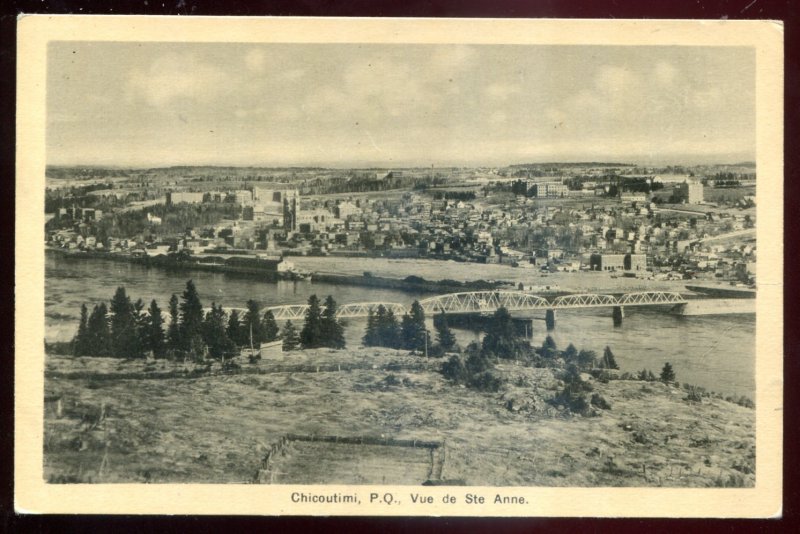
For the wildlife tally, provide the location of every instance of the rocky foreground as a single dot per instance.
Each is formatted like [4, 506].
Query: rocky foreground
[112, 421]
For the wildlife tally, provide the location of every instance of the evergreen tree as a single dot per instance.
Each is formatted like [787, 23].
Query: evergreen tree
[155, 331]
[412, 331]
[444, 335]
[192, 321]
[253, 324]
[387, 329]
[608, 361]
[124, 335]
[290, 338]
[501, 339]
[549, 348]
[174, 341]
[330, 328]
[587, 359]
[571, 354]
[270, 327]
[142, 320]
[99, 336]
[667, 373]
[370, 338]
[235, 330]
[310, 335]
[215, 334]
[81, 339]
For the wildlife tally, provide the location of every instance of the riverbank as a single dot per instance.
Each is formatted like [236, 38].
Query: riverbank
[427, 276]
[219, 428]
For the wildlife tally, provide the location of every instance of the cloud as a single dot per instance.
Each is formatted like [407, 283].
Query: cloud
[176, 77]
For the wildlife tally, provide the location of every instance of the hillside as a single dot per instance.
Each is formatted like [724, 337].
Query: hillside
[391, 417]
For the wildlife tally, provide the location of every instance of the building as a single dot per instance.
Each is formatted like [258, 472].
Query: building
[690, 192]
[177, 197]
[278, 202]
[243, 197]
[618, 262]
[549, 190]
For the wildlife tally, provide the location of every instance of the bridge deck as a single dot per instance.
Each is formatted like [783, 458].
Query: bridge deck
[489, 301]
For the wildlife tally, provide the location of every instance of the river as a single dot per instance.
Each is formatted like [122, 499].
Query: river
[715, 352]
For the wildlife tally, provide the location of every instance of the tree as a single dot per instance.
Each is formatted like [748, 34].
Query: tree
[501, 340]
[571, 354]
[290, 338]
[549, 348]
[387, 331]
[192, 320]
[174, 341]
[154, 334]
[215, 334]
[667, 373]
[124, 335]
[310, 335]
[235, 330]
[413, 333]
[270, 327]
[608, 361]
[370, 338]
[98, 335]
[330, 328]
[253, 326]
[444, 336]
[81, 339]
[587, 359]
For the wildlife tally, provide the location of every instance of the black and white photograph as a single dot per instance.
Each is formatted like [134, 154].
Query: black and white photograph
[329, 265]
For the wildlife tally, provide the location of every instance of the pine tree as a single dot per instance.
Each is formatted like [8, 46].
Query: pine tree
[370, 338]
[253, 324]
[80, 341]
[667, 373]
[388, 331]
[270, 327]
[412, 331]
[99, 336]
[571, 354]
[587, 359]
[501, 339]
[330, 328]
[192, 321]
[174, 340]
[549, 347]
[310, 335]
[215, 334]
[235, 330]
[124, 335]
[444, 335]
[290, 338]
[608, 361]
[155, 330]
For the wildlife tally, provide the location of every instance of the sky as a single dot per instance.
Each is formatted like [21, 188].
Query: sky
[393, 105]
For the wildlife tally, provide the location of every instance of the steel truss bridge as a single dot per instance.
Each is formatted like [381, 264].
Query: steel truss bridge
[488, 301]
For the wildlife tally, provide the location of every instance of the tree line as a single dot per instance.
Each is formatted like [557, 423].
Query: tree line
[124, 329]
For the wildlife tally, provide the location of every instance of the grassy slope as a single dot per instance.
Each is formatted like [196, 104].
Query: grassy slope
[218, 428]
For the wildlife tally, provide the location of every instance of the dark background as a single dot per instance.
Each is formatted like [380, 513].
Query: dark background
[786, 10]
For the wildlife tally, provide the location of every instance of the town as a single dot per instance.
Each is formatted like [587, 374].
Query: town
[669, 223]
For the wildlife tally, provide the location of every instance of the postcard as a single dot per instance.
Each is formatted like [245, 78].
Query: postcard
[429, 267]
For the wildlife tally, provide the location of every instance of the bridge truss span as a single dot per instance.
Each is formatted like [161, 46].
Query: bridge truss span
[650, 298]
[362, 309]
[584, 300]
[483, 301]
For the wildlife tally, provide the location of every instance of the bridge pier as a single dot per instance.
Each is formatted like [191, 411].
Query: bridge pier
[617, 313]
[550, 319]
